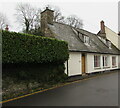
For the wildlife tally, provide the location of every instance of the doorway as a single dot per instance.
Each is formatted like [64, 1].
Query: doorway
[83, 64]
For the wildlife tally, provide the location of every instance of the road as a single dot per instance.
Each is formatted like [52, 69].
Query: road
[97, 91]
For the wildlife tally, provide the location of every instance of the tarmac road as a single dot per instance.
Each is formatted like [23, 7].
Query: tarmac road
[98, 91]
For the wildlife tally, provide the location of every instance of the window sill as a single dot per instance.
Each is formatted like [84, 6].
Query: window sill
[86, 44]
[114, 66]
[106, 67]
[97, 68]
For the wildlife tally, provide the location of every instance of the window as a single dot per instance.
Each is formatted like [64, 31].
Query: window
[113, 61]
[103, 40]
[96, 61]
[105, 61]
[86, 39]
[109, 44]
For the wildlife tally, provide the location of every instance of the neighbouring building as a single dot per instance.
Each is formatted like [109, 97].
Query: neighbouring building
[111, 36]
[88, 52]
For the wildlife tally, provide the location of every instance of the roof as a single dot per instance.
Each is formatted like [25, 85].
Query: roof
[75, 42]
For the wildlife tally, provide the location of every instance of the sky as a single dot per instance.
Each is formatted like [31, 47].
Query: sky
[90, 11]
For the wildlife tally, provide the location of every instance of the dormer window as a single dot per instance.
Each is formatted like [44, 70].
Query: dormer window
[102, 39]
[106, 42]
[109, 44]
[86, 40]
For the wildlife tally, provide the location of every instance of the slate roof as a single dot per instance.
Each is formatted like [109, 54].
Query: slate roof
[75, 42]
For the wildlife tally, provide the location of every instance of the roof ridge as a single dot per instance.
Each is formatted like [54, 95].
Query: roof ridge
[74, 27]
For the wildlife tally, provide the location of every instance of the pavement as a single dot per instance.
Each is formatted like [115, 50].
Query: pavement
[96, 91]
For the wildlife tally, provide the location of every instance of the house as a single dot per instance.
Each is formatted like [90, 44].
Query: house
[111, 36]
[88, 52]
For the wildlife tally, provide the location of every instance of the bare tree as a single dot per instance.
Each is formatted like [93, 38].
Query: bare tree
[58, 16]
[3, 21]
[37, 19]
[28, 16]
[74, 21]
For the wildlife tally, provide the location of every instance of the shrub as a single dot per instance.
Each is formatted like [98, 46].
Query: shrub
[28, 58]
[43, 73]
[25, 48]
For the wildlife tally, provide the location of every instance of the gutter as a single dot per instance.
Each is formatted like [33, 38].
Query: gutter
[92, 52]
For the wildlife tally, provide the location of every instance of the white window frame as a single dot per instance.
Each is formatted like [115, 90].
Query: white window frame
[114, 64]
[106, 61]
[86, 40]
[97, 64]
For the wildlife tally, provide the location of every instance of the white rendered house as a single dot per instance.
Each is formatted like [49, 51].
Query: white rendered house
[88, 52]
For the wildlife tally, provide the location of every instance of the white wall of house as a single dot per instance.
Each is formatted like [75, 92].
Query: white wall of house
[114, 38]
[90, 63]
[119, 61]
[75, 63]
[65, 67]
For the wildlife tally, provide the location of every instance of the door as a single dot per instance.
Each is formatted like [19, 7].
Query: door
[83, 63]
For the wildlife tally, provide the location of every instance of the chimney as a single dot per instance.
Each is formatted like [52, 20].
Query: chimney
[102, 30]
[102, 27]
[46, 18]
[6, 28]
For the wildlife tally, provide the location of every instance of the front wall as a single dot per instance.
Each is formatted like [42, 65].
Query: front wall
[119, 61]
[74, 64]
[90, 63]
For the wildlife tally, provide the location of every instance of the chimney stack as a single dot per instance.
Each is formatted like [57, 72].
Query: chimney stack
[102, 30]
[46, 18]
[6, 28]
[102, 27]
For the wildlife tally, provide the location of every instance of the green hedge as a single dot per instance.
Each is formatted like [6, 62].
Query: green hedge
[25, 48]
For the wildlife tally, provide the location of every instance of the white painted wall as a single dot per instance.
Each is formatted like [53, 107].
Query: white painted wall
[90, 63]
[74, 64]
[119, 61]
[114, 38]
[65, 67]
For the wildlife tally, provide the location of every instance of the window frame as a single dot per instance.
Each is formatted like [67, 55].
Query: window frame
[105, 61]
[109, 44]
[115, 65]
[97, 61]
[86, 39]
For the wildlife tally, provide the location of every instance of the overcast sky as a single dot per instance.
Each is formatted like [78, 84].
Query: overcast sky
[90, 11]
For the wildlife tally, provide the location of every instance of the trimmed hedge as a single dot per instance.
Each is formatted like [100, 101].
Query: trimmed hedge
[25, 48]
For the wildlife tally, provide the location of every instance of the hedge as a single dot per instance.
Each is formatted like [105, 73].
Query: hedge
[43, 73]
[21, 79]
[25, 48]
